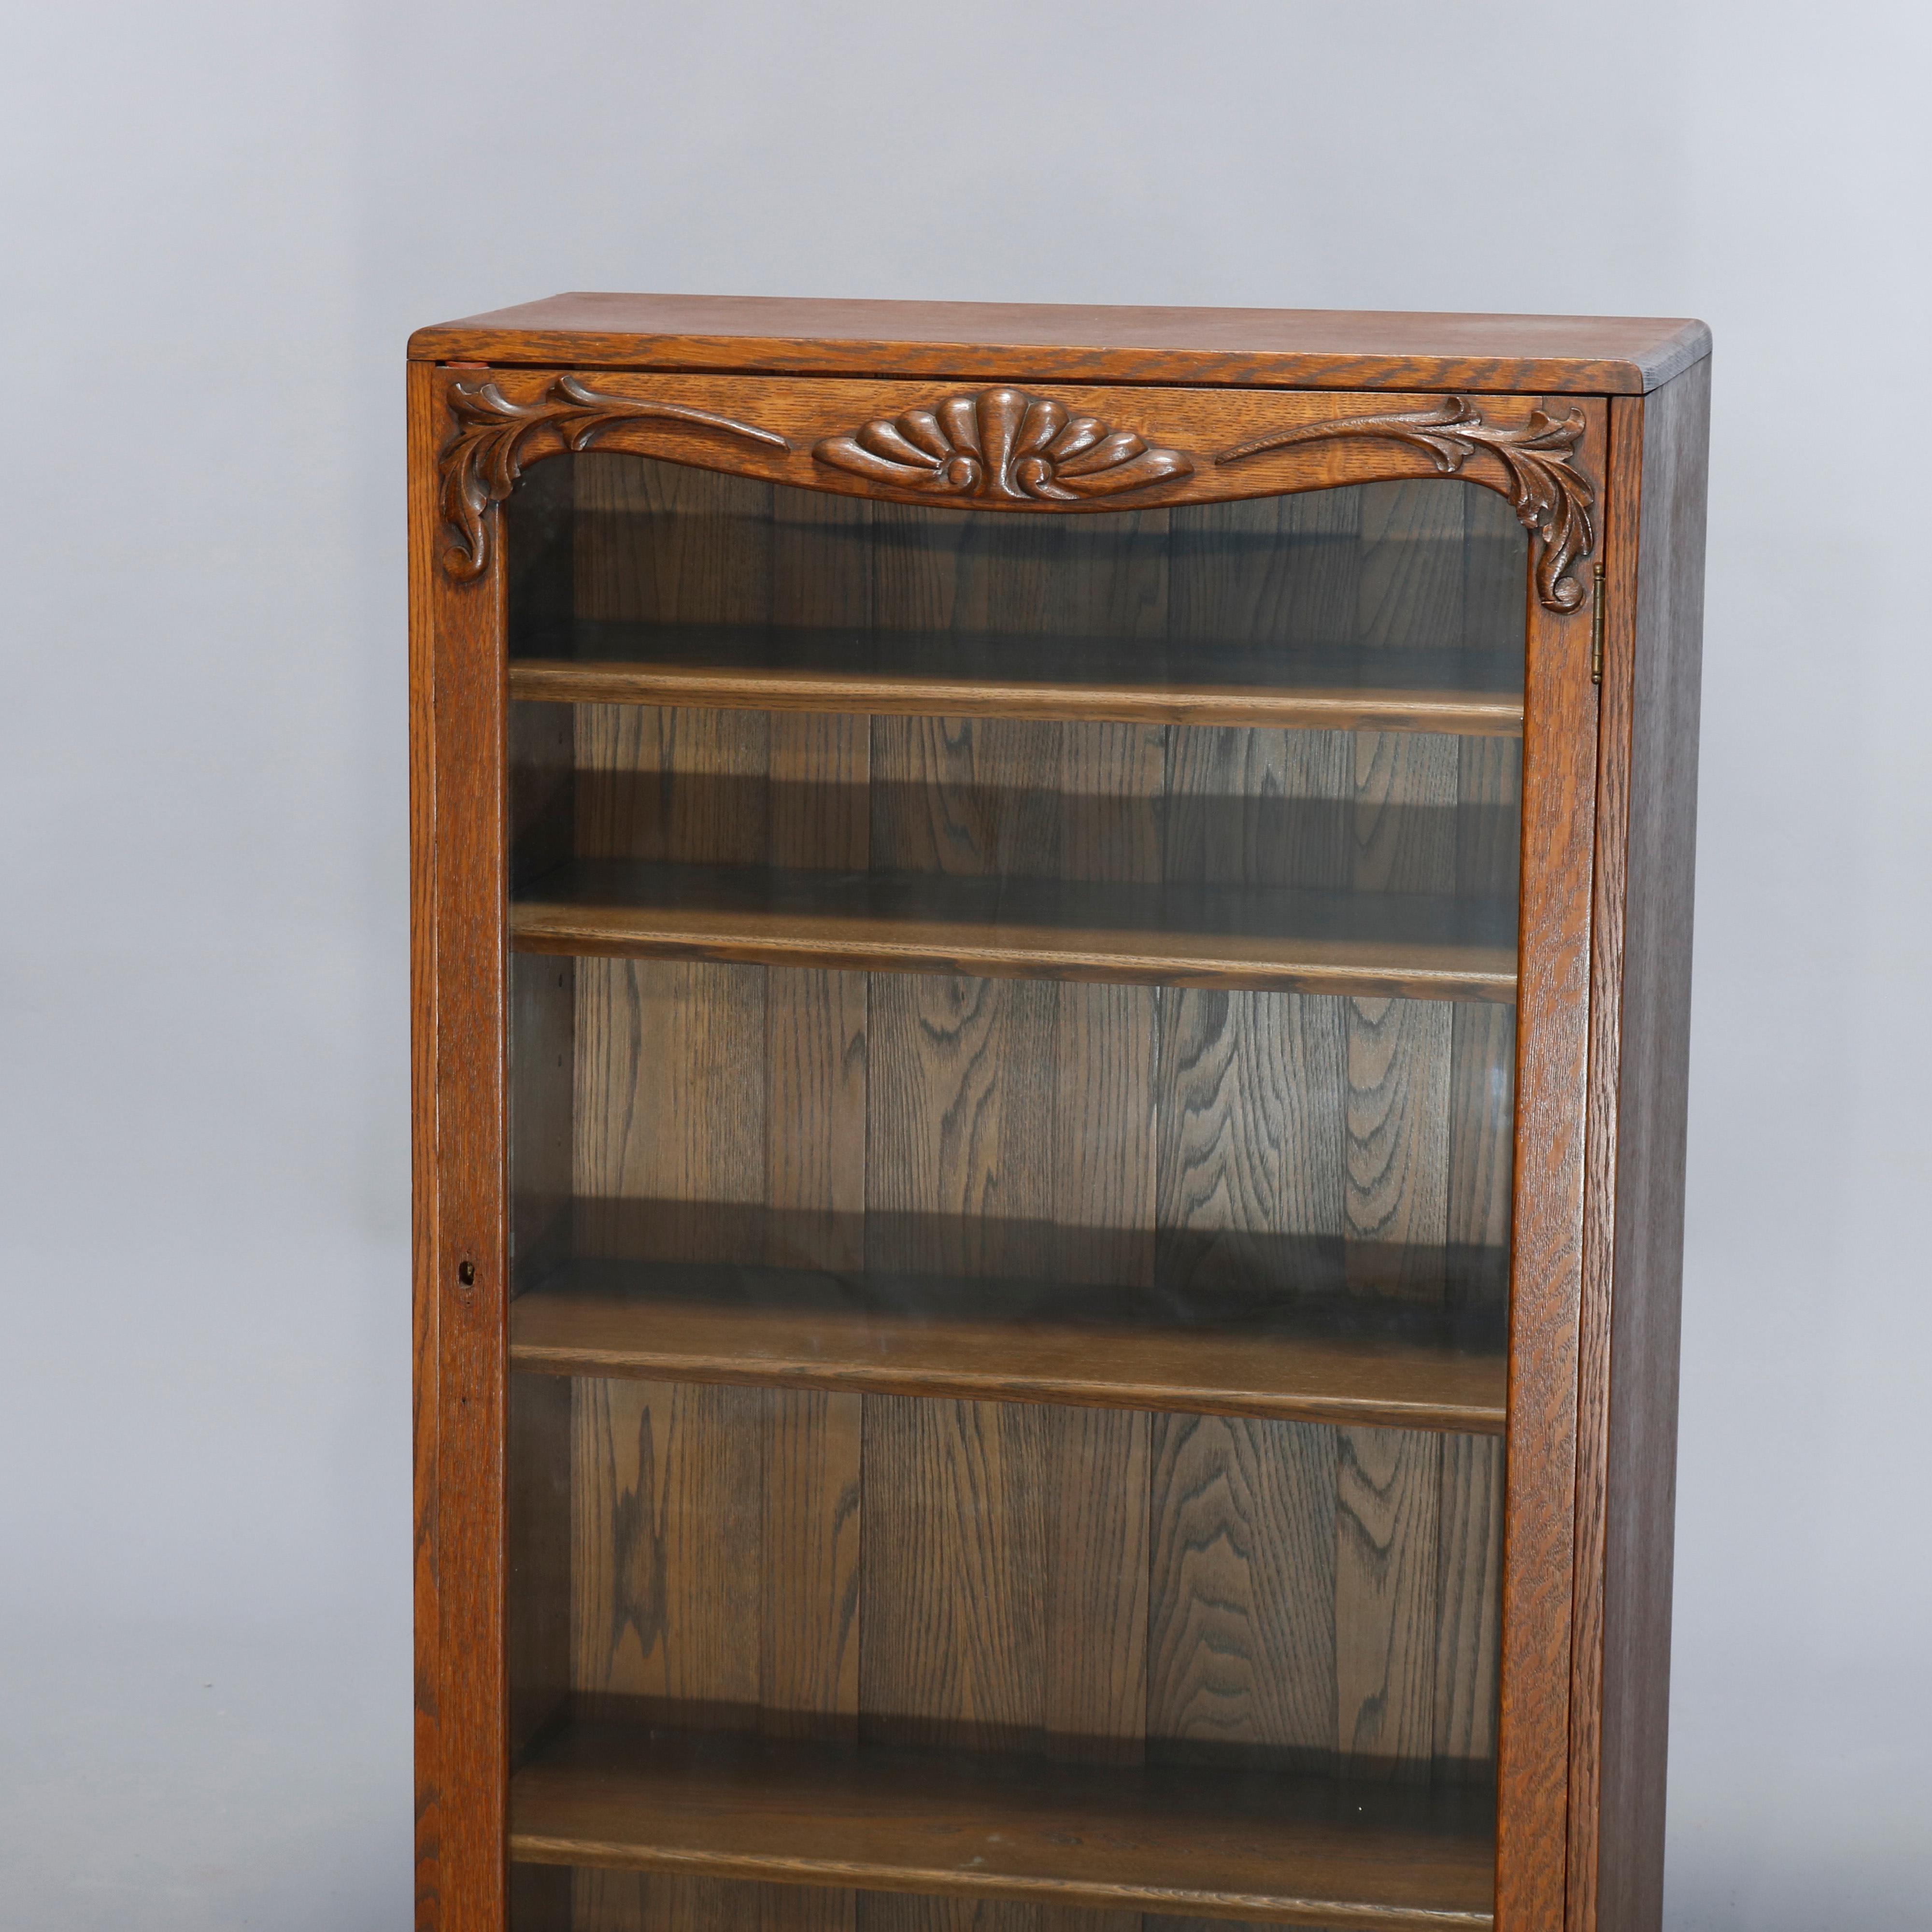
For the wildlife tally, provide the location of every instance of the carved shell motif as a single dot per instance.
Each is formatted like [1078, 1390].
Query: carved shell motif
[1003, 444]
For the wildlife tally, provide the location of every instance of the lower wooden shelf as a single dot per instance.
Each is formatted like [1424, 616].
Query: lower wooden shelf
[1368, 946]
[1336, 1359]
[1175, 1839]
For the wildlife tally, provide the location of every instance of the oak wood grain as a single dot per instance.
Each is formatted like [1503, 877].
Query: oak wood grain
[1396, 1194]
[1241, 1642]
[1310, 348]
[537, 1581]
[1469, 1538]
[543, 1046]
[811, 1446]
[1386, 1567]
[1250, 1182]
[699, 1027]
[715, 1553]
[1096, 1623]
[953, 1596]
[957, 1147]
[816, 1080]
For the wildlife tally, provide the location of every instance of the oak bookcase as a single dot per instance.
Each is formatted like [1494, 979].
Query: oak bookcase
[1051, 986]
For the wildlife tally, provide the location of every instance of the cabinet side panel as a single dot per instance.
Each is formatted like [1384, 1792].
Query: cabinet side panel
[1641, 1462]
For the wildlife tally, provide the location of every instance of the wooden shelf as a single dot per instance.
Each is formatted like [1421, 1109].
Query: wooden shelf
[1371, 947]
[1334, 1359]
[964, 674]
[1179, 1841]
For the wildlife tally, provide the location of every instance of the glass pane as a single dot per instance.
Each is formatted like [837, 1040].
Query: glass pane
[1013, 1055]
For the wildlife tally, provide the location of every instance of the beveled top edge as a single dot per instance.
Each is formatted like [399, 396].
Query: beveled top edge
[1286, 348]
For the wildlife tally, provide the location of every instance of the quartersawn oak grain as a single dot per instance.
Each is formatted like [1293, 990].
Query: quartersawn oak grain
[1176, 1840]
[1403, 946]
[1283, 348]
[1399, 1367]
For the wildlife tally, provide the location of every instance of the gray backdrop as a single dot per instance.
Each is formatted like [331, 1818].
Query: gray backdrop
[222, 220]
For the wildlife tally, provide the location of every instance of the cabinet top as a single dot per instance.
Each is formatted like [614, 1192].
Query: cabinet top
[1318, 348]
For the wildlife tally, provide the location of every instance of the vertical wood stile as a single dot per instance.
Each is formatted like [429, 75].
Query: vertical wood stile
[465, 877]
[1559, 787]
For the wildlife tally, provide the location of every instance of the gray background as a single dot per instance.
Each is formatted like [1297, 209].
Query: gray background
[221, 221]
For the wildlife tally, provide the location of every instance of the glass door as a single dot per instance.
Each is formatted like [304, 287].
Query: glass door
[1012, 1064]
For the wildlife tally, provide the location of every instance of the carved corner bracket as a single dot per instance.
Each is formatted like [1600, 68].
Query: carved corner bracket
[1552, 497]
[1003, 445]
[480, 463]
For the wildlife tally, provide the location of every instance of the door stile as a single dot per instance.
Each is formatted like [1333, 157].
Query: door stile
[457, 737]
[1560, 745]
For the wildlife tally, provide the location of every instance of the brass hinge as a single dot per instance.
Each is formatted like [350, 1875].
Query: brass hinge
[1596, 626]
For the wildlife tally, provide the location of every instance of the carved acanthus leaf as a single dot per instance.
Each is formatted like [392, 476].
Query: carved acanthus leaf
[480, 463]
[1551, 497]
[1003, 444]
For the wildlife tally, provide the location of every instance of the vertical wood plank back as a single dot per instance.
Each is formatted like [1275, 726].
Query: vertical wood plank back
[1251, 1183]
[1241, 1640]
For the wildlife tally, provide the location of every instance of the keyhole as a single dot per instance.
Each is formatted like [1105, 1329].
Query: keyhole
[466, 1273]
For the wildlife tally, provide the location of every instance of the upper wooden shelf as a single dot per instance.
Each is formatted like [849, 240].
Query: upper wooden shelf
[1374, 947]
[1336, 1359]
[956, 674]
[1186, 1841]
[1309, 349]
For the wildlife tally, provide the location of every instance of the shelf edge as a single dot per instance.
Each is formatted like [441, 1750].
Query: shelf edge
[558, 681]
[535, 931]
[532, 1849]
[1339, 1412]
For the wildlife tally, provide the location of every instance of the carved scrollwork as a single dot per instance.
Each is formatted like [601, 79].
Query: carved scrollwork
[1003, 444]
[1551, 497]
[480, 463]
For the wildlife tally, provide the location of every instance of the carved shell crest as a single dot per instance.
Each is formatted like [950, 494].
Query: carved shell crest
[1005, 444]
